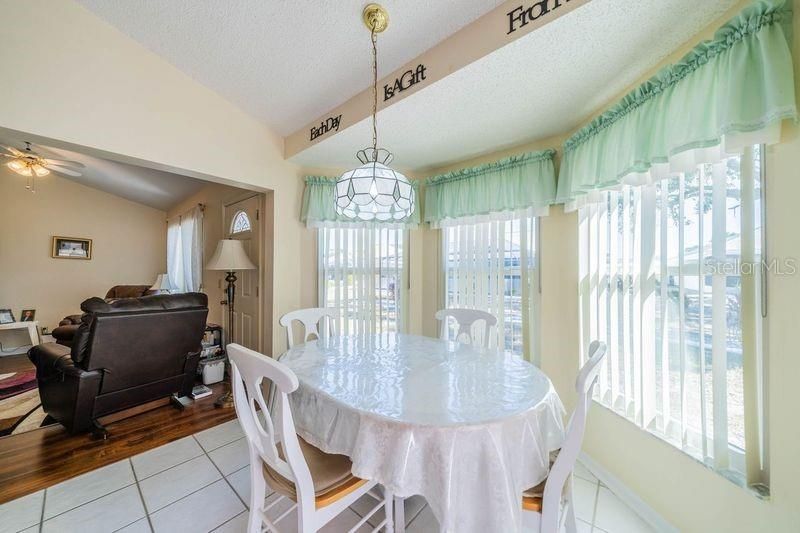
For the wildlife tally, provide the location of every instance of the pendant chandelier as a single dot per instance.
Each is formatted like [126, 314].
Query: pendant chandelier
[374, 191]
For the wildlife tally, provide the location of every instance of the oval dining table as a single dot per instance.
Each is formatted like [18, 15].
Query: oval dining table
[468, 429]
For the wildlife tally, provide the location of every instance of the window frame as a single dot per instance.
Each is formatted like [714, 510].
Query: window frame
[745, 466]
[241, 213]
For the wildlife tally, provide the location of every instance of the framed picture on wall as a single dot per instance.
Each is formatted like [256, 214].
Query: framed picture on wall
[6, 316]
[72, 248]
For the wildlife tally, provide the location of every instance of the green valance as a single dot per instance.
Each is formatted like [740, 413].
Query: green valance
[319, 210]
[726, 93]
[519, 183]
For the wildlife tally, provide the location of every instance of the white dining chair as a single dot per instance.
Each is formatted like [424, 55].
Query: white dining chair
[321, 484]
[544, 501]
[466, 319]
[311, 319]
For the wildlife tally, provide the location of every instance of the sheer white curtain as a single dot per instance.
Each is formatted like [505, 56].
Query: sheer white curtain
[362, 273]
[491, 264]
[185, 251]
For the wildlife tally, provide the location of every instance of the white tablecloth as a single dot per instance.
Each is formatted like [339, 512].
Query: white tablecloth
[469, 431]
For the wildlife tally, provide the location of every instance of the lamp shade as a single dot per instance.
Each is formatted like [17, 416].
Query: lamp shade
[230, 256]
[374, 191]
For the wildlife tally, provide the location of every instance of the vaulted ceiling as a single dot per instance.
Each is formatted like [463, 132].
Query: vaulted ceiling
[155, 188]
[284, 61]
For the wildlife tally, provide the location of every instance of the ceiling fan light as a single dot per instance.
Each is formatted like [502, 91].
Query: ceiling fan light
[16, 165]
[25, 171]
[40, 171]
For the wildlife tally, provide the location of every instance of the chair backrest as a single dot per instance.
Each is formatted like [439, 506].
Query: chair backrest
[568, 455]
[142, 343]
[250, 369]
[466, 319]
[128, 291]
[310, 318]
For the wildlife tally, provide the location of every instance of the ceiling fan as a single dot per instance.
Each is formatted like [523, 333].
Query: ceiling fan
[32, 165]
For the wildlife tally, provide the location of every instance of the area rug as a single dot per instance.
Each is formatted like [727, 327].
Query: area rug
[20, 406]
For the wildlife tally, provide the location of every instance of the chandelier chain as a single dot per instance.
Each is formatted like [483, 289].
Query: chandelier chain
[373, 191]
[374, 38]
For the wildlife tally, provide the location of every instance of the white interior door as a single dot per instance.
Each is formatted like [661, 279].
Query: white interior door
[242, 223]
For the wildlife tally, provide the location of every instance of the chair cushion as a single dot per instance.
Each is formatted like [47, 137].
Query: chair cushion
[329, 472]
[64, 334]
[532, 498]
[71, 320]
[128, 291]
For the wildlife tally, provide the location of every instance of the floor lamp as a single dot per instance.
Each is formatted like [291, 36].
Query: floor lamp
[229, 257]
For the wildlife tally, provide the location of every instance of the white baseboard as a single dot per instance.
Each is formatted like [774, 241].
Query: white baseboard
[630, 498]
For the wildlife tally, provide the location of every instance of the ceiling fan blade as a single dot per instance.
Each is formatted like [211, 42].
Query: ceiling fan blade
[14, 151]
[61, 170]
[64, 163]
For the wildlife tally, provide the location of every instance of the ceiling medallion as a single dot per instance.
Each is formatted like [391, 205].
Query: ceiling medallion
[374, 191]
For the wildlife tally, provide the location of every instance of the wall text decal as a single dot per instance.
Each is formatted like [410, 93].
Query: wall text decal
[408, 79]
[520, 16]
[329, 124]
[504, 24]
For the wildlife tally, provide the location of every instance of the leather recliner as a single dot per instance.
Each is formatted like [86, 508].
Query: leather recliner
[66, 329]
[125, 353]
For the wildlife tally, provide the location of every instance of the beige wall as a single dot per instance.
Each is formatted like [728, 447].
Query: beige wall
[129, 245]
[116, 99]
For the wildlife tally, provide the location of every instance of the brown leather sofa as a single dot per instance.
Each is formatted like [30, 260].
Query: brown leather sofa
[66, 329]
[125, 353]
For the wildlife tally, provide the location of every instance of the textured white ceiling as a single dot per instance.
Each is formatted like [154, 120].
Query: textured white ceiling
[287, 62]
[543, 84]
[284, 61]
[154, 188]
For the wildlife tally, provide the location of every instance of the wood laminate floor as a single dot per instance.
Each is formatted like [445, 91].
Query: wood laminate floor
[15, 363]
[41, 458]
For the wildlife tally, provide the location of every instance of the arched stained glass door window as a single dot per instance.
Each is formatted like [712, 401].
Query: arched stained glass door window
[240, 223]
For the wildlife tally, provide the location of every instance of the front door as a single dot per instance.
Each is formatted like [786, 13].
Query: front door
[242, 223]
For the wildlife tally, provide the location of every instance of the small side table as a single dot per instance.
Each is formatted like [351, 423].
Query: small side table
[32, 327]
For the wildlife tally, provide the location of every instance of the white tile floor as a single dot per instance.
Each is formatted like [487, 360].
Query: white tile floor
[201, 484]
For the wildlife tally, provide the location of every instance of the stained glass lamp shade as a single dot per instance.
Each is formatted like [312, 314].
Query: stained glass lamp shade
[374, 191]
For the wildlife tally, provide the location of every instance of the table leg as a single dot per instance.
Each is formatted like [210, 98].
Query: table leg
[399, 514]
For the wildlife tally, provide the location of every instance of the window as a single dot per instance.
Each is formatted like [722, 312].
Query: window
[362, 273]
[240, 222]
[671, 280]
[185, 251]
[492, 266]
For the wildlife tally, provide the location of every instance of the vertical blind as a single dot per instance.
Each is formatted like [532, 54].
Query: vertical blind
[362, 273]
[492, 266]
[671, 279]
